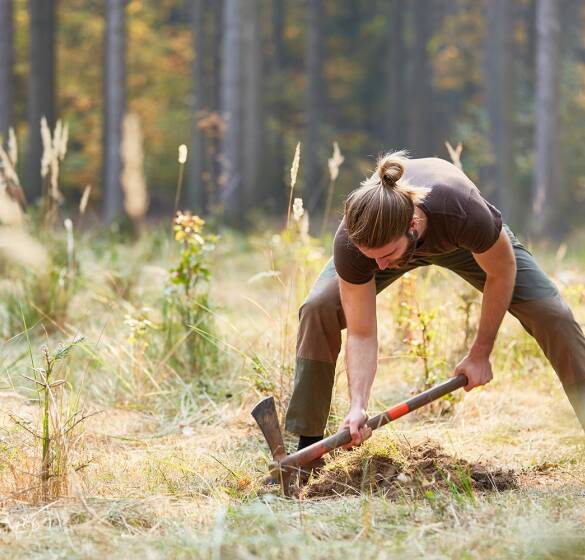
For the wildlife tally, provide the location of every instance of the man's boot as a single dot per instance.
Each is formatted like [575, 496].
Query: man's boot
[576, 395]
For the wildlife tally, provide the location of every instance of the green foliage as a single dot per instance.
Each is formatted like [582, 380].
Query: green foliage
[187, 324]
[193, 267]
[42, 295]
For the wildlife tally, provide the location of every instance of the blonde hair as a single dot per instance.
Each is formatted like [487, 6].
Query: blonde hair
[381, 209]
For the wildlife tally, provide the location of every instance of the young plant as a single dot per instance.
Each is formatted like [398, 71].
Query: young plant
[60, 418]
[187, 317]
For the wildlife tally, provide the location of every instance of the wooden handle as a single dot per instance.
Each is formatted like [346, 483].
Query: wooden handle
[312, 452]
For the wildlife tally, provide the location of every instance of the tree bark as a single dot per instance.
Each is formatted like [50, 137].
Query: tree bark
[314, 104]
[252, 99]
[6, 67]
[276, 191]
[232, 112]
[114, 107]
[498, 176]
[41, 90]
[420, 93]
[394, 118]
[197, 192]
[547, 153]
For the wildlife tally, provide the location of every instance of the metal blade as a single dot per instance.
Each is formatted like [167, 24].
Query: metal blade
[265, 415]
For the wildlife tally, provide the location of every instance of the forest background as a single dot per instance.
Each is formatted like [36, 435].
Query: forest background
[241, 82]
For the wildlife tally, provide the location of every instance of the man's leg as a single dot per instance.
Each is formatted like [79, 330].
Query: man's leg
[321, 321]
[537, 304]
[551, 322]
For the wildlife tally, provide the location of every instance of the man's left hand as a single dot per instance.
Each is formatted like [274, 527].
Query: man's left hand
[477, 370]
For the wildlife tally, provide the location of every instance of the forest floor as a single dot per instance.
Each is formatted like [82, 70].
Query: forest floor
[170, 463]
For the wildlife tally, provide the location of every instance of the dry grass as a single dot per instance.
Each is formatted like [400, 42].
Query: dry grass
[176, 473]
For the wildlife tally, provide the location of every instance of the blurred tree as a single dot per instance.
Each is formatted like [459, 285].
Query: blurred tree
[41, 87]
[547, 150]
[6, 66]
[396, 61]
[231, 108]
[196, 193]
[497, 175]
[420, 90]
[253, 118]
[276, 110]
[314, 102]
[114, 107]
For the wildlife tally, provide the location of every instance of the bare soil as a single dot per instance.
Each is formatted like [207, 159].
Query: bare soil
[396, 468]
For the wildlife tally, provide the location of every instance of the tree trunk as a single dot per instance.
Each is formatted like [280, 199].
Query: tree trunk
[6, 67]
[394, 119]
[314, 105]
[276, 191]
[547, 153]
[41, 90]
[420, 93]
[232, 112]
[252, 100]
[114, 107]
[498, 176]
[197, 192]
[214, 147]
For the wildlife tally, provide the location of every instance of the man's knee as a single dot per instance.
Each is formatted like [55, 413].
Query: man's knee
[552, 323]
[324, 306]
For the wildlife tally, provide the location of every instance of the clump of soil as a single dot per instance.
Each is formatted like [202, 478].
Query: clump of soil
[395, 468]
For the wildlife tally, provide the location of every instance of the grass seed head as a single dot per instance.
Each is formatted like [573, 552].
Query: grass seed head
[294, 170]
[335, 162]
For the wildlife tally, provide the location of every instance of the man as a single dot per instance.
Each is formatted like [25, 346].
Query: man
[412, 213]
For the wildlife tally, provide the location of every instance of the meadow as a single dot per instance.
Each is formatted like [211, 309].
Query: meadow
[130, 363]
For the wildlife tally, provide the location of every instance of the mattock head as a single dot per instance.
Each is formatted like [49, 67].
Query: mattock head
[266, 417]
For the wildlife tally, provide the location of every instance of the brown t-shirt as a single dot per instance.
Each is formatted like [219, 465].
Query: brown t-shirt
[457, 217]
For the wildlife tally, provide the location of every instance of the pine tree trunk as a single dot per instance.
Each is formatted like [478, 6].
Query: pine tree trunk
[314, 105]
[41, 90]
[498, 177]
[197, 192]
[215, 72]
[232, 112]
[547, 153]
[6, 66]
[114, 107]
[252, 99]
[420, 93]
[277, 189]
[394, 120]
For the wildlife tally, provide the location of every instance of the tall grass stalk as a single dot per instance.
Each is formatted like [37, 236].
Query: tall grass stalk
[182, 159]
[334, 163]
[54, 151]
[294, 170]
[133, 181]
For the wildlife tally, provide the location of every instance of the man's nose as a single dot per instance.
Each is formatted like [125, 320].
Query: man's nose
[382, 263]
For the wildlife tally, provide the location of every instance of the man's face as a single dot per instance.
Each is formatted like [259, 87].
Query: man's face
[394, 254]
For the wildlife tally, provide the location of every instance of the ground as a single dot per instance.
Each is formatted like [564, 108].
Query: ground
[171, 466]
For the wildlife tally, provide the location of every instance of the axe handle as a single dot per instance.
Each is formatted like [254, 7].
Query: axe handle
[312, 452]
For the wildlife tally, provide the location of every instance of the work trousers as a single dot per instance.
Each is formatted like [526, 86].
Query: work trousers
[536, 303]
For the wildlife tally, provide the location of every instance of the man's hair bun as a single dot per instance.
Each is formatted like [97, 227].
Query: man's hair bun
[390, 172]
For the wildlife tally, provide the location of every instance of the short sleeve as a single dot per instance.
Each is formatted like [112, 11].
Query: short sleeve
[482, 225]
[350, 263]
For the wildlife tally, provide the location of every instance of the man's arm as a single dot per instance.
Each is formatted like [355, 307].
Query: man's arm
[359, 307]
[499, 264]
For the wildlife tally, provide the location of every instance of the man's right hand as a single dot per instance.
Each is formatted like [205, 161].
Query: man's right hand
[356, 422]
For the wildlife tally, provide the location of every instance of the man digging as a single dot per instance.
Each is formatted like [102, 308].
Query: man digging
[412, 213]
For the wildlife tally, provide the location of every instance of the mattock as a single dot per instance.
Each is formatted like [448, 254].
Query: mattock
[283, 465]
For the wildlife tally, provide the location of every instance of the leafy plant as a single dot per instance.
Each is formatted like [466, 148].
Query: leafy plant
[187, 316]
[60, 418]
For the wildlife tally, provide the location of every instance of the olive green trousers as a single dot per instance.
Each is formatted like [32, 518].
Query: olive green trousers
[536, 303]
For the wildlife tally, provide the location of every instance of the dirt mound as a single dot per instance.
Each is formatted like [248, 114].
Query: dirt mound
[396, 468]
